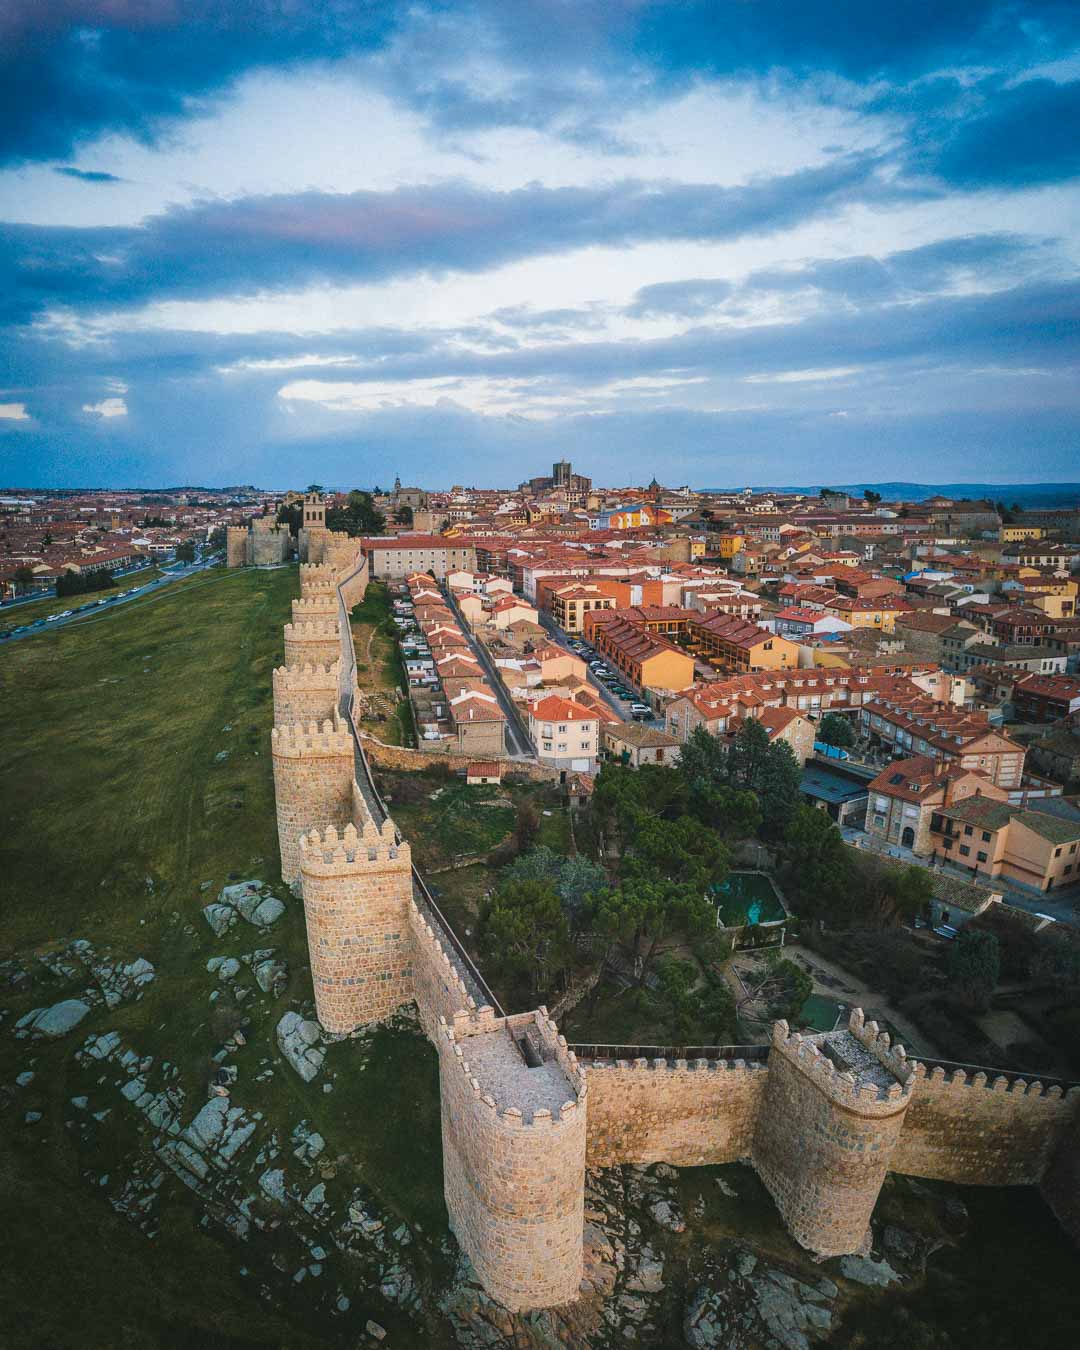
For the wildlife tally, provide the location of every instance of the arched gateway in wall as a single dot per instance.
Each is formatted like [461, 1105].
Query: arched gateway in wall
[822, 1118]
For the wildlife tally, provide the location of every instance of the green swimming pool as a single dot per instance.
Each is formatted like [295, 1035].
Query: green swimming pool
[748, 898]
[819, 1013]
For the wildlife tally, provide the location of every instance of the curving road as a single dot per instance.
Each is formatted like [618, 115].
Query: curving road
[88, 609]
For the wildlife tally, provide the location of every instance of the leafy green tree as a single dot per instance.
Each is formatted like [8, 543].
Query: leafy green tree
[526, 826]
[835, 729]
[314, 487]
[523, 934]
[703, 765]
[974, 966]
[575, 880]
[872, 497]
[358, 516]
[23, 577]
[890, 893]
[293, 516]
[779, 788]
[822, 874]
[623, 797]
[716, 1012]
[682, 851]
[747, 756]
[649, 915]
[404, 515]
[185, 552]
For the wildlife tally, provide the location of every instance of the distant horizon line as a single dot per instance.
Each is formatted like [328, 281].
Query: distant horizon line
[850, 486]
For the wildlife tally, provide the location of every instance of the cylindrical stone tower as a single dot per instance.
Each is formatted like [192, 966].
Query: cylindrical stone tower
[305, 694]
[514, 1155]
[833, 1109]
[313, 785]
[315, 579]
[317, 640]
[357, 886]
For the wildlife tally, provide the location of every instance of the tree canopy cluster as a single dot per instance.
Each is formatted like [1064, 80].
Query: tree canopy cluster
[79, 583]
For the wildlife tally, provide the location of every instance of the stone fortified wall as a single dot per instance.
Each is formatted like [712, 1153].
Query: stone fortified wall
[982, 1131]
[685, 1112]
[822, 1120]
[236, 546]
[514, 1155]
[319, 608]
[513, 1120]
[357, 889]
[313, 785]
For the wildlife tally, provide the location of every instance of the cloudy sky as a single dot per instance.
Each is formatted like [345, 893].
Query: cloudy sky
[727, 242]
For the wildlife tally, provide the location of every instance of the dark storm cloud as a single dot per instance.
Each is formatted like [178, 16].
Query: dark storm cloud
[262, 244]
[860, 41]
[71, 70]
[1025, 135]
[74, 69]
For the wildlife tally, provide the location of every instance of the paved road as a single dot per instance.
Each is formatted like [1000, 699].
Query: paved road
[98, 610]
[621, 707]
[517, 736]
[1063, 905]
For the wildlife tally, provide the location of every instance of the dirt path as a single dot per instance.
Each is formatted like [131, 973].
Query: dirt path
[835, 981]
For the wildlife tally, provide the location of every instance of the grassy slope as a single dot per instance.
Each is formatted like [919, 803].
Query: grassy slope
[114, 811]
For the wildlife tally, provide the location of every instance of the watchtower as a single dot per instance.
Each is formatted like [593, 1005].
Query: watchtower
[314, 511]
[357, 889]
[832, 1113]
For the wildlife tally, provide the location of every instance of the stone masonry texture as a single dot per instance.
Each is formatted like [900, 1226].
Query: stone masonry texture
[822, 1120]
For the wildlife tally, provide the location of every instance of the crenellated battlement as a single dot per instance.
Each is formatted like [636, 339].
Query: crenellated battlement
[662, 1065]
[518, 1104]
[309, 630]
[351, 852]
[299, 742]
[855, 1089]
[308, 674]
[1009, 1084]
[319, 607]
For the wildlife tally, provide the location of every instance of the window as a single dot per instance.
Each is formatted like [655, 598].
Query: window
[986, 836]
[967, 829]
[1068, 868]
[1057, 853]
[981, 857]
[965, 851]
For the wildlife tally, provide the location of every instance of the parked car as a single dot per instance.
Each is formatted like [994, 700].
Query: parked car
[641, 709]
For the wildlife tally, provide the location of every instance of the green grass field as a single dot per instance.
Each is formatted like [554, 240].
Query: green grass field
[135, 769]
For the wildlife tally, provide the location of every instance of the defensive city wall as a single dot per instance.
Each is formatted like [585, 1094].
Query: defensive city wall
[822, 1118]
